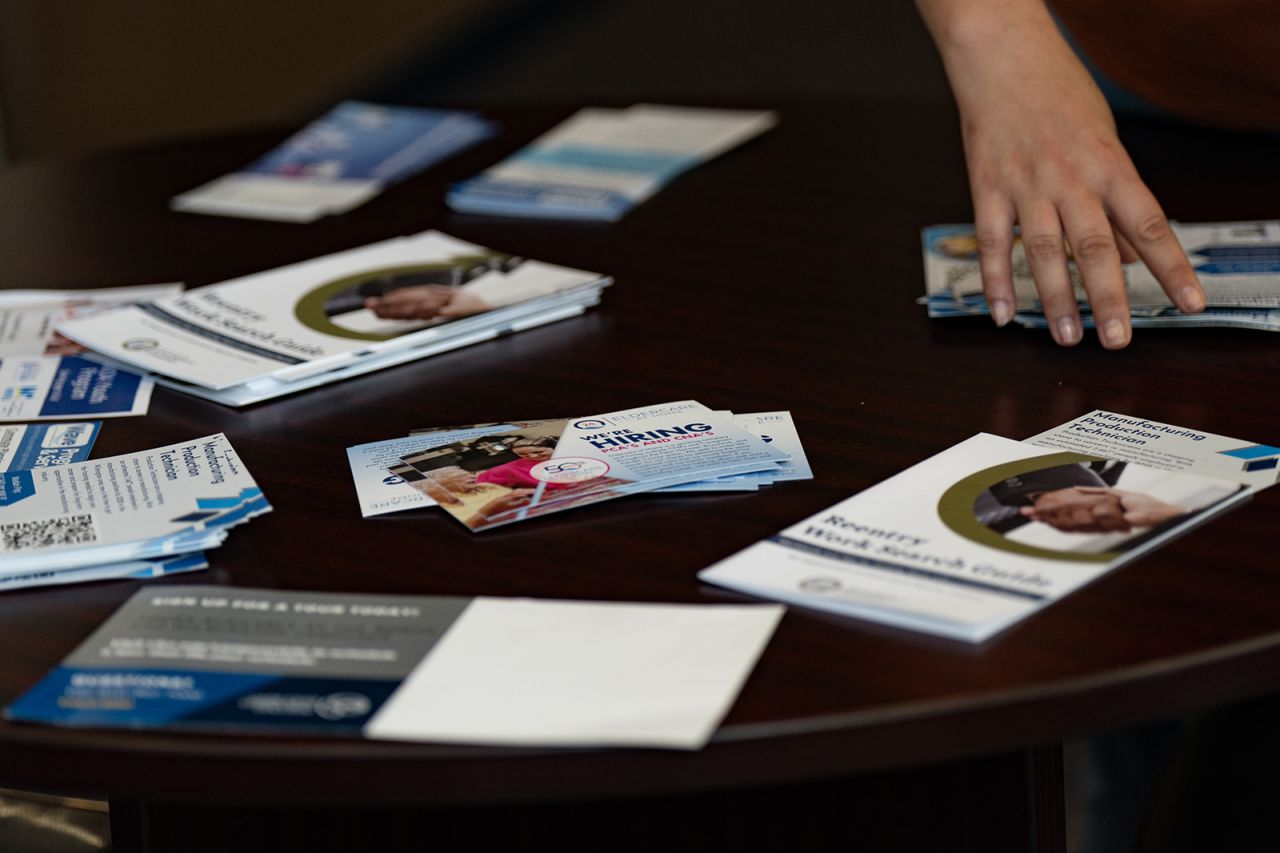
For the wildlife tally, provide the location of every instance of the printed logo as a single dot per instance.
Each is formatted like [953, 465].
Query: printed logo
[393, 480]
[569, 469]
[820, 585]
[67, 435]
[22, 392]
[767, 439]
[590, 423]
[140, 344]
[339, 706]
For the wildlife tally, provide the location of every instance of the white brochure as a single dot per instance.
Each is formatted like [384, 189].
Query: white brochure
[59, 387]
[170, 500]
[28, 318]
[985, 533]
[313, 319]
[506, 477]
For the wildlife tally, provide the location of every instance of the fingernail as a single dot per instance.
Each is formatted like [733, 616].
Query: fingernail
[1068, 332]
[1001, 312]
[1114, 334]
[1192, 300]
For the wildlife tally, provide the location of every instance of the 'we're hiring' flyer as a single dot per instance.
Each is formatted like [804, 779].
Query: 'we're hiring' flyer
[509, 476]
[986, 532]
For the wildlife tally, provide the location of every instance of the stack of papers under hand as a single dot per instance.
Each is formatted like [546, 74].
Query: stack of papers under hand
[338, 162]
[600, 163]
[487, 475]
[1238, 264]
[315, 322]
[109, 514]
[481, 670]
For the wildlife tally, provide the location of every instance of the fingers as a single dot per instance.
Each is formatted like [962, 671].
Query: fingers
[1097, 255]
[1138, 218]
[1042, 239]
[994, 232]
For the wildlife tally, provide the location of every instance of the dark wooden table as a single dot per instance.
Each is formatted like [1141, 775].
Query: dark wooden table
[782, 276]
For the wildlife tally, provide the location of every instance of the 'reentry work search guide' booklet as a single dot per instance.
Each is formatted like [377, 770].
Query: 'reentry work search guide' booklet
[424, 668]
[989, 531]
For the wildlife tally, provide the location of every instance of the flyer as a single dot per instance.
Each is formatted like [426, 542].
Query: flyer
[337, 162]
[143, 569]
[54, 387]
[1237, 263]
[987, 532]
[169, 500]
[516, 475]
[27, 446]
[323, 319]
[28, 318]
[479, 670]
[381, 490]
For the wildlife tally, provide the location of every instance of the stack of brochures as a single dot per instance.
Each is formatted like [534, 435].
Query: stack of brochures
[482, 670]
[986, 533]
[325, 319]
[140, 514]
[600, 163]
[1238, 264]
[488, 475]
[338, 162]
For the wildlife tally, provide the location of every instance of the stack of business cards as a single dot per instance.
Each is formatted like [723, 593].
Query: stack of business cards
[338, 162]
[166, 502]
[487, 475]
[600, 163]
[460, 670]
[1238, 264]
[322, 320]
[29, 318]
[991, 530]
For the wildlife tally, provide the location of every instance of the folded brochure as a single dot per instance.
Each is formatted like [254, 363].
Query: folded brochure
[320, 320]
[987, 532]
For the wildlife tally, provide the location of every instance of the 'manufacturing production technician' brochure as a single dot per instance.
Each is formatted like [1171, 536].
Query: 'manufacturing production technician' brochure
[987, 532]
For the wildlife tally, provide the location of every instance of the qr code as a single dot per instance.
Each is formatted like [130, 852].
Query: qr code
[46, 533]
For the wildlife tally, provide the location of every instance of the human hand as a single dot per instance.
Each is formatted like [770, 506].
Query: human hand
[463, 304]
[1080, 509]
[1043, 154]
[417, 302]
[1145, 511]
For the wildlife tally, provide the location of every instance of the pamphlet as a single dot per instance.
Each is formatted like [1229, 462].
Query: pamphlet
[146, 569]
[41, 445]
[339, 161]
[1238, 264]
[170, 500]
[985, 533]
[479, 670]
[600, 163]
[503, 477]
[55, 387]
[28, 317]
[321, 320]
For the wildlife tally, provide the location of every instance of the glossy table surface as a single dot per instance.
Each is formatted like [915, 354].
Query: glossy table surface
[782, 276]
